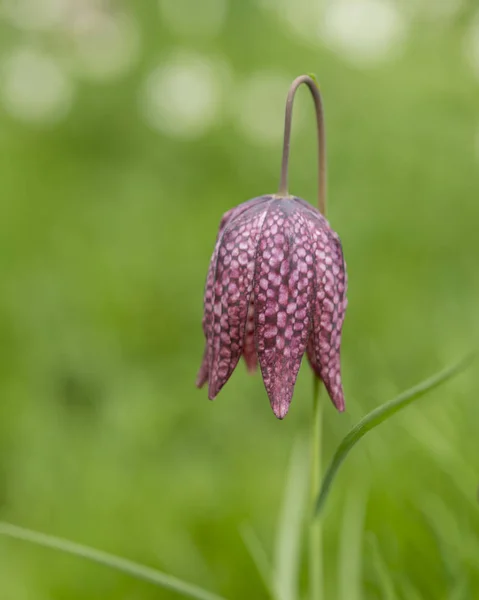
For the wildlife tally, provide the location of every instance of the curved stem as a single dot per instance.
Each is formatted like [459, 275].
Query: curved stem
[318, 104]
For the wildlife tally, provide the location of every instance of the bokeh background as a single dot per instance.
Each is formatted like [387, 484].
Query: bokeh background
[126, 130]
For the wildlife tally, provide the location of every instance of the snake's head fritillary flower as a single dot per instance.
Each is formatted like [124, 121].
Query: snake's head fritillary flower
[276, 288]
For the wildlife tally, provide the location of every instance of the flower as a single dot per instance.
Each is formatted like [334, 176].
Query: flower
[275, 289]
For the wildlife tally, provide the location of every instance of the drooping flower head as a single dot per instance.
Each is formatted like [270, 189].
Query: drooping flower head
[275, 290]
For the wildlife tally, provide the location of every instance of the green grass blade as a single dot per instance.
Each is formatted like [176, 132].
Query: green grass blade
[351, 551]
[460, 591]
[409, 592]
[287, 554]
[384, 579]
[378, 416]
[115, 562]
[258, 555]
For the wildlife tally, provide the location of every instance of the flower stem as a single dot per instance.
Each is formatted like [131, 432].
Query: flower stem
[315, 534]
[315, 541]
[315, 525]
[318, 104]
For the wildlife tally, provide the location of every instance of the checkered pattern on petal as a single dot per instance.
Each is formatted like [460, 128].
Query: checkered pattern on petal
[233, 283]
[328, 314]
[283, 293]
[276, 288]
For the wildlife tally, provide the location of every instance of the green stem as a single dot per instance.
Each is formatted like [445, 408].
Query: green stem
[310, 81]
[315, 525]
[315, 545]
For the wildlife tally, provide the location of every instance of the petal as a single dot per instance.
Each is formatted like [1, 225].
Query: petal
[237, 211]
[330, 307]
[249, 347]
[283, 295]
[208, 298]
[233, 283]
[207, 318]
[202, 376]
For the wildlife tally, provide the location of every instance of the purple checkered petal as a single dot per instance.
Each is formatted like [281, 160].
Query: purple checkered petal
[283, 288]
[202, 376]
[233, 283]
[328, 317]
[228, 217]
[237, 211]
[249, 347]
[276, 288]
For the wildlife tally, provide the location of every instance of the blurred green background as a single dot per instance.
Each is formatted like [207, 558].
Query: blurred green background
[126, 130]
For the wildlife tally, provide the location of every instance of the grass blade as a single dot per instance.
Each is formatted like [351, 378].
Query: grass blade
[385, 581]
[259, 556]
[460, 591]
[110, 560]
[288, 542]
[378, 416]
[351, 544]
[409, 591]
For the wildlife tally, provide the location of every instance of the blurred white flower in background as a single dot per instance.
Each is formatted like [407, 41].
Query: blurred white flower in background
[301, 16]
[105, 45]
[471, 45]
[260, 103]
[365, 32]
[183, 96]
[34, 14]
[34, 86]
[97, 41]
[435, 10]
[362, 32]
[194, 17]
[101, 41]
